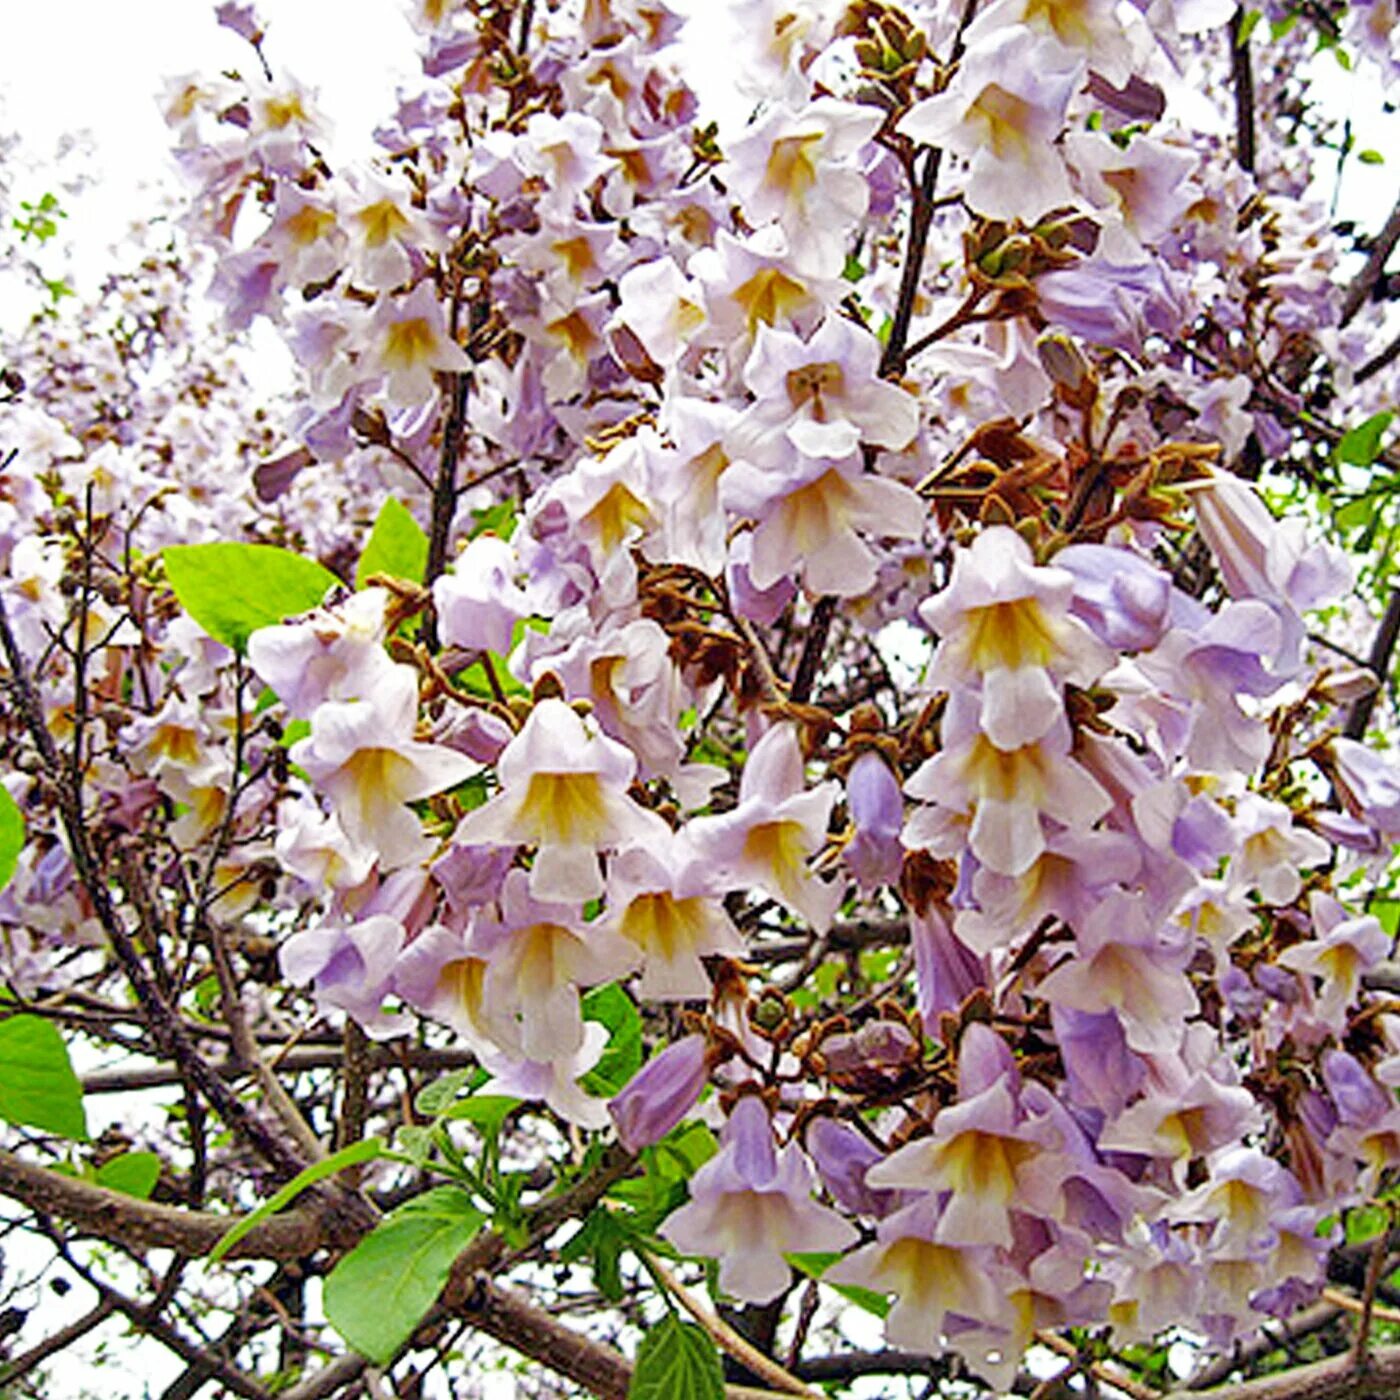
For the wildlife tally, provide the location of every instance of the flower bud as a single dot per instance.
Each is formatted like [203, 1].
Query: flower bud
[660, 1094]
[842, 1158]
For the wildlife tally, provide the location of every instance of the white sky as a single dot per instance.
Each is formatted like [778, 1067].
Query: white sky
[99, 64]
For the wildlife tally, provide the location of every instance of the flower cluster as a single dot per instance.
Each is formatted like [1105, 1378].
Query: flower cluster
[838, 530]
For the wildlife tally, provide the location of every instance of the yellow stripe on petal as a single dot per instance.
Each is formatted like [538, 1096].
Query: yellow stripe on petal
[463, 982]
[564, 809]
[983, 1164]
[780, 849]
[665, 927]
[792, 165]
[768, 295]
[1009, 635]
[409, 343]
[616, 515]
[381, 222]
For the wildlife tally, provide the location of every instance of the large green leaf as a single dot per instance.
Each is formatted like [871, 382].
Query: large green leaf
[610, 1006]
[676, 1361]
[397, 546]
[37, 1085]
[379, 1292]
[366, 1150]
[1362, 444]
[11, 836]
[233, 589]
[131, 1173]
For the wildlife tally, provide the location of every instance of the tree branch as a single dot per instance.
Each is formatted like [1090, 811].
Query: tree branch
[1242, 78]
[125, 1220]
[1365, 282]
[1382, 649]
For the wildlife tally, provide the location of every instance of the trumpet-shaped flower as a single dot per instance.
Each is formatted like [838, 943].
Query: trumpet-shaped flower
[751, 1204]
[1006, 622]
[811, 518]
[931, 1281]
[361, 753]
[407, 342]
[538, 953]
[564, 791]
[821, 397]
[983, 1151]
[1007, 792]
[664, 901]
[1003, 112]
[765, 840]
[1125, 967]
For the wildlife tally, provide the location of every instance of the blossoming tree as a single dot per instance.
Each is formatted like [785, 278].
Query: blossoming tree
[766, 776]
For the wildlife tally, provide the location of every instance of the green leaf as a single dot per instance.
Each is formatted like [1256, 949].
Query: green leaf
[676, 1361]
[233, 589]
[1388, 912]
[1365, 1223]
[379, 1292]
[1247, 26]
[37, 1085]
[1370, 157]
[1356, 513]
[815, 1265]
[365, 1150]
[610, 1006]
[1361, 445]
[132, 1173]
[397, 546]
[604, 1237]
[487, 1111]
[11, 836]
[444, 1091]
[498, 519]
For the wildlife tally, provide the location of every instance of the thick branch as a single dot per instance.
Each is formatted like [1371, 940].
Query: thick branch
[1382, 649]
[1242, 78]
[136, 1224]
[1337, 1378]
[1365, 283]
[294, 1061]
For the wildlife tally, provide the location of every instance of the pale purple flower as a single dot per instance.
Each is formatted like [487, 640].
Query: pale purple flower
[563, 790]
[362, 755]
[664, 901]
[765, 840]
[932, 1281]
[1005, 621]
[1344, 947]
[1002, 112]
[661, 1093]
[750, 1205]
[842, 1157]
[554, 1081]
[946, 970]
[1369, 784]
[983, 1150]
[479, 603]
[538, 953]
[874, 854]
[1119, 596]
[334, 653]
[351, 966]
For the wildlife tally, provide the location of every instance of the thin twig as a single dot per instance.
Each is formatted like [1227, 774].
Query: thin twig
[725, 1336]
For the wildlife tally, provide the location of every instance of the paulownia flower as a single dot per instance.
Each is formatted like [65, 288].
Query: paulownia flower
[751, 1204]
[1003, 112]
[765, 840]
[564, 791]
[362, 755]
[664, 901]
